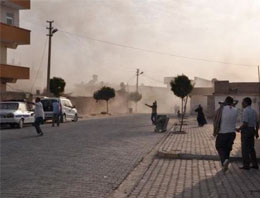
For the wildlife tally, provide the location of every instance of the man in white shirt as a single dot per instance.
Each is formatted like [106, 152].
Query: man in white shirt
[227, 132]
[39, 116]
[249, 130]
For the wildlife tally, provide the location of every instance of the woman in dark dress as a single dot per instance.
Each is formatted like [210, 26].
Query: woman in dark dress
[200, 117]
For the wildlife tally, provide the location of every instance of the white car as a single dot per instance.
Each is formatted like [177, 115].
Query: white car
[15, 114]
[68, 111]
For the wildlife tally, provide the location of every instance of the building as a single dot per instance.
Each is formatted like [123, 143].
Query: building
[209, 98]
[11, 36]
[197, 82]
[202, 94]
[203, 88]
[238, 90]
[204, 97]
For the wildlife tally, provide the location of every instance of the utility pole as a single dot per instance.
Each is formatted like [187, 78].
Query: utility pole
[258, 91]
[258, 73]
[138, 73]
[51, 32]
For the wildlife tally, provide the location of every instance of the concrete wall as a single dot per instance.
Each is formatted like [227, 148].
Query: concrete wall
[15, 12]
[255, 102]
[200, 82]
[210, 106]
[3, 57]
[15, 96]
[196, 100]
[88, 105]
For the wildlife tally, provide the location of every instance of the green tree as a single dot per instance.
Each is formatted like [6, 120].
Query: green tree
[105, 93]
[135, 97]
[57, 86]
[182, 87]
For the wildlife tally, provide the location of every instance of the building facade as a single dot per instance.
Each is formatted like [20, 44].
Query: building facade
[11, 36]
[238, 91]
[209, 98]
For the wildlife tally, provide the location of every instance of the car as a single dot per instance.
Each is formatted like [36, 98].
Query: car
[16, 113]
[68, 111]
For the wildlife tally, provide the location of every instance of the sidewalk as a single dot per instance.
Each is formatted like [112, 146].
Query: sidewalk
[188, 167]
[197, 143]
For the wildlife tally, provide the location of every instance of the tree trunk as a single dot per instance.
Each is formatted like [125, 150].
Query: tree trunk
[107, 106]
[182, 114]
[184, 111]
[182, 106]
[185, 105]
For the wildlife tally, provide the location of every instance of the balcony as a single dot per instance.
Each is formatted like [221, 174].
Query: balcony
[17, 4]
[12, 73]
[11, 36]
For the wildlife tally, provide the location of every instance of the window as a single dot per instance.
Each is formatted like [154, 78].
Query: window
[10, 18]
[11, 106]
[22, 107]
[69, 103]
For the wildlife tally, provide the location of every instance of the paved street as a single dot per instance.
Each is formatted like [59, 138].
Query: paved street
[85, 159]
[188, 167]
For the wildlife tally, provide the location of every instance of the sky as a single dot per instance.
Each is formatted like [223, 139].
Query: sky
[112, 38]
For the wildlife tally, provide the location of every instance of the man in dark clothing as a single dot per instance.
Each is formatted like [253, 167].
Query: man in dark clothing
[56, 113]
[200, 117]
[249, 130]
[154, 111]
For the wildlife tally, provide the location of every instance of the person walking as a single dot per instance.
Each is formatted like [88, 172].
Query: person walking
[200, 117]
[154, 111]
[225, 130]
[249, 130]
[56, 113]
[39, 116]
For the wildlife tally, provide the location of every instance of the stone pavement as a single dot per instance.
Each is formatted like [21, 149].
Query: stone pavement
[179, 169]
[197, 143]
[88, 158]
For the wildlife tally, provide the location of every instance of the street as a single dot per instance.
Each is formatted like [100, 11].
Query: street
[88, 158]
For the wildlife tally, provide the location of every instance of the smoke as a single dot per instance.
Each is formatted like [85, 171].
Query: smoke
[218, 30]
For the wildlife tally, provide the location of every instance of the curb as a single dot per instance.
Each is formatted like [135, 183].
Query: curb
[187, 156]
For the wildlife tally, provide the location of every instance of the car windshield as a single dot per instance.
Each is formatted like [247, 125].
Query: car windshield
[9, 106]
[47, 104]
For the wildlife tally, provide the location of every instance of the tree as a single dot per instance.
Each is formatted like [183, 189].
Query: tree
[135, 97]
[182, 87]
[122, 87]
[57, 86]
[105, 93]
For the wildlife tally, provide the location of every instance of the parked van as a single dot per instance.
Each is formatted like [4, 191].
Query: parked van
[68, 111]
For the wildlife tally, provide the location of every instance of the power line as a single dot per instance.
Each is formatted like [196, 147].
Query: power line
[130, 79]
[157, 52]
[40, 65]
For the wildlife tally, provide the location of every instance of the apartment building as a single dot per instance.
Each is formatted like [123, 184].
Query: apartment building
[11, 36]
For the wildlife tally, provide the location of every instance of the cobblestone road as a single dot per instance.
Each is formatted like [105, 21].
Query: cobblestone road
[199, 141]
[194, 178]
[85, 159]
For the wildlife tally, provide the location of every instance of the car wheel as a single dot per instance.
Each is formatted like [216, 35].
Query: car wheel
[64, 118]
[75, 118]
[20, 124]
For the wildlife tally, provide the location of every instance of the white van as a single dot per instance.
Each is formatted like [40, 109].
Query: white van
[68, 111]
